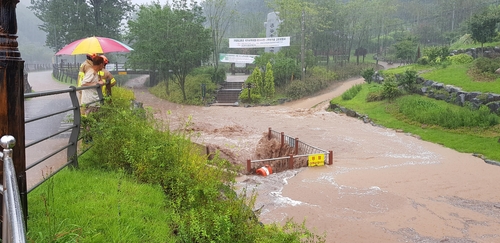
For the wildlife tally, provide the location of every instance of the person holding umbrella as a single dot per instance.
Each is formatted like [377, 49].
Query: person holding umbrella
[90, 97]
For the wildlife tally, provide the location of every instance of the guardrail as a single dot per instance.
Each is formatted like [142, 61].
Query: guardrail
[299, 153]
[13, 225]
[72, 145]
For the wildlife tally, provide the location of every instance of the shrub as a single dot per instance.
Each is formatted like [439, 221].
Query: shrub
[367, 74]
[436, 53]
[461, 59]
[423, 60]
[352, 92]
[486, 65]
[408, 80]
[255, 98]
[390, 88]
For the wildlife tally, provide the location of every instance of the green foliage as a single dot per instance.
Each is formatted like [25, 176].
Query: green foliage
[352, 92]
[390, 88]
[408, 80]
[62, 20]
[170, 38]
[406, 49]
[254, 98]
[285, 69]
[367, 74]
[318, 79]
[217, 76]
[483, 26]
[192, 90]
[461, 59]
[430, 112]
[436, 53]
[487, 65]
[423, 60]
[269, 82]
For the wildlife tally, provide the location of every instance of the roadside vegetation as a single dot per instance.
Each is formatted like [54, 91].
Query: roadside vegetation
[141, 182]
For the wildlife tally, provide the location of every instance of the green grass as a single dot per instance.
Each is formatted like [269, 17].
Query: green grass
[458, 76]
[97, 206]
[466, 140]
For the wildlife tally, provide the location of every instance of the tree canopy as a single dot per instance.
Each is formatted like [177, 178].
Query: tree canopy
[66, 21]
[170, 39]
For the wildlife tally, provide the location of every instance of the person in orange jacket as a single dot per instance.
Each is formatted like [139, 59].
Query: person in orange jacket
[107, 78]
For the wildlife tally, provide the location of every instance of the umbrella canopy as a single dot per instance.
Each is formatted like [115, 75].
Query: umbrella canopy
[94, 45]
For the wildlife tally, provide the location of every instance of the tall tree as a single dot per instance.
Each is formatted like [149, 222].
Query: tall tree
[220, 14]
[66, 21]
[170, 38]
[483, 27]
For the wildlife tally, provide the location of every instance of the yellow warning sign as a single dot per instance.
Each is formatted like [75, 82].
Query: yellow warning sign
[122, 73]
[316, 160]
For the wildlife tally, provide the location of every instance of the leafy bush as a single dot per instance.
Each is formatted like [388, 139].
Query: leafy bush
[436, 53]
[255, 98]
[486, 65]
[216, 77]
[367, 74]
[461, 59]
[318, 78]
[423, 60]
[352, 92]
[390, 88]
[192, 87]
[408, 80]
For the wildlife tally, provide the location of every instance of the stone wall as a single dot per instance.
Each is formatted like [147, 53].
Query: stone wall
[457, 96]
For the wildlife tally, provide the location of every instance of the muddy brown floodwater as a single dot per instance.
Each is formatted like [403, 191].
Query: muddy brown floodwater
[384, 186]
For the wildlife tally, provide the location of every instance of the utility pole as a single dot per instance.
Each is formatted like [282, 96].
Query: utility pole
[12, 94]
[303, 47]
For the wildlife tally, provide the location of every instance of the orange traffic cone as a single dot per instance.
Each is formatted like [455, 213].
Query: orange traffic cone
[265, 170]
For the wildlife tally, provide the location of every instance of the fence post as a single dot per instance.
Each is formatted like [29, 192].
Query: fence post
[290, 162]
[296, 146]
[330, 157]
[249, 166]
[269, 134]
[72, 152]
[282, 140]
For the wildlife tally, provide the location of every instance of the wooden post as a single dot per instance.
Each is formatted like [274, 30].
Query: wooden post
[330, 157]
[282, 140]
[269, 133]
[296, 146]
[290, 162]
[249, 166]
[12, 94]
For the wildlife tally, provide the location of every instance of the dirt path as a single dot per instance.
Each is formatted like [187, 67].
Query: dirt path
[384, 186]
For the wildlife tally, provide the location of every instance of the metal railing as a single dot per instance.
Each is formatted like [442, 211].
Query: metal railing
[74, 128]
[13, 225]
[295, 154]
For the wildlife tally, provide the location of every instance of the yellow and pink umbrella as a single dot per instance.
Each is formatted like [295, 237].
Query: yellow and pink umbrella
[94, 45]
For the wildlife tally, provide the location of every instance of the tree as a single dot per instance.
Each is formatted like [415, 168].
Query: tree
[220, 14]
[483, 27]
[269, 82]
[170, 38]
[66, 21]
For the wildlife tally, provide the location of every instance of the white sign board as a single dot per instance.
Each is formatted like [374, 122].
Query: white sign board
[236, 58]
[259, 42]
